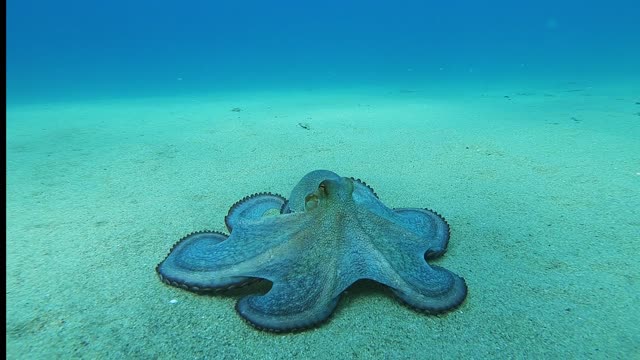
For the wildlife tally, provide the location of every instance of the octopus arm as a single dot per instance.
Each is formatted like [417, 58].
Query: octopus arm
[295, 303]
[431, 289]
[253, 207]
[190, 266]
[430, 226]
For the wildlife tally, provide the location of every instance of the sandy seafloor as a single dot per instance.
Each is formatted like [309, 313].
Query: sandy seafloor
[540, 184]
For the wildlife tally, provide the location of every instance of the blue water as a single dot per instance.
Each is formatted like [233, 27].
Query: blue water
[72, 49]
[531, 153]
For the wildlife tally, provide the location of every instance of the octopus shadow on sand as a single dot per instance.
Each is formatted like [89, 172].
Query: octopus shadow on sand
[331, 232]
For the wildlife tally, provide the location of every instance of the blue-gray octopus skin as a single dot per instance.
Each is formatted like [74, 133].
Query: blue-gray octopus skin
[331, 232]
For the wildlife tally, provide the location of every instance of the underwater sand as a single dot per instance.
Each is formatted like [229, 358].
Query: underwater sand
[541, 187]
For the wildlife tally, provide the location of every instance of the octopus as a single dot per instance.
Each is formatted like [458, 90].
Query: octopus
[331, 232]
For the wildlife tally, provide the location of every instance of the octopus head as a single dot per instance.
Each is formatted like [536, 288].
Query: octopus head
[330, 191]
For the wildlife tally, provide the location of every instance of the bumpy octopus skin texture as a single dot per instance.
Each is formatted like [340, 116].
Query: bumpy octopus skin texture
[331, 232]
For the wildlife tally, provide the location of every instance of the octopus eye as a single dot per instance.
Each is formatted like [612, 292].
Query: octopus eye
[311, 202]
[322, 188]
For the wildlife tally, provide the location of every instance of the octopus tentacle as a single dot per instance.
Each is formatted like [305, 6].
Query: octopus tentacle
[187, 265]
[432, 289]
[284, 209]
[253, 207]
[289, 306]
[364, 184]
[430, 226]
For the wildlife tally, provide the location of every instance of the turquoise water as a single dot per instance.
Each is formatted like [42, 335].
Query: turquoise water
[70, 49]
[132, 124]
